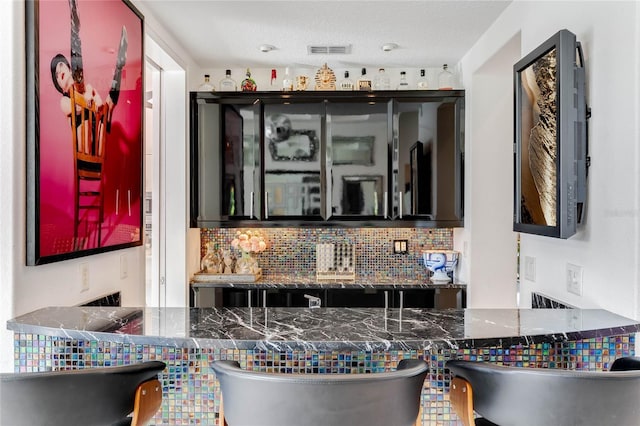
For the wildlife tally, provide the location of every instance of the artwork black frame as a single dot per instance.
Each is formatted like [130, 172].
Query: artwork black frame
[550, 151]
[39, 30]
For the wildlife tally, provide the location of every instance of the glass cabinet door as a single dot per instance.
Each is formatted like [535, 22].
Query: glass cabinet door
[227, 161]
[427, 166]
[293, 164]
[241, 165]
[358, 135]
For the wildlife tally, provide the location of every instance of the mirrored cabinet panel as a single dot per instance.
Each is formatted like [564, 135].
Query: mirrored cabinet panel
[241, 166]
[293, 161]
[227, 158]
[358, 136]
[379, 158]
[428, 160]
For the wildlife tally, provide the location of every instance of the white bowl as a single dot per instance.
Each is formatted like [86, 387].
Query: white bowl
[441, 263]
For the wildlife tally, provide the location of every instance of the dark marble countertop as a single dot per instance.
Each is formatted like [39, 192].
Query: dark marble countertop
[281, 329]
[304, 281]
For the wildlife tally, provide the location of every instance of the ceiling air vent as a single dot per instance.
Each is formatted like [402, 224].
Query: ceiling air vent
[329, 50]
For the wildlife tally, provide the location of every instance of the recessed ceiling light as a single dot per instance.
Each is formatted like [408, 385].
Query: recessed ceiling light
[388, 47]
[266, 48]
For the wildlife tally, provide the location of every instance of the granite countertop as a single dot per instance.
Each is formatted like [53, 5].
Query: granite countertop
[281, 329]
[304, 281]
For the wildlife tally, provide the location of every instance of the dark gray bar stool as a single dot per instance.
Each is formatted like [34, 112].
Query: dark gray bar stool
[389, 398]
[543, 396]
[92, 396]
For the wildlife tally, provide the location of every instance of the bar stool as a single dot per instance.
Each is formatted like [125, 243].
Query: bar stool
[544, 396]
[270, 399]
[92, 396]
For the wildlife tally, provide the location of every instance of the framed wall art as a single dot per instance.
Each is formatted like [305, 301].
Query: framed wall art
[84, 128]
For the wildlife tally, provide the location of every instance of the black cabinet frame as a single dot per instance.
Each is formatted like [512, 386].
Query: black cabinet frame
[260, 99]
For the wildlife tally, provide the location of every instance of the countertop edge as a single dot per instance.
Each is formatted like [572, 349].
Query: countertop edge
[624, 326]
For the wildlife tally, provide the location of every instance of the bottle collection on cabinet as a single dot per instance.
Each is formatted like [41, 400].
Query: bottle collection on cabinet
[325, 78]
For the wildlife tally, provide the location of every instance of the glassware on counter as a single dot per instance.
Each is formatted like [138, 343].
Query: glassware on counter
[422, 81]
[227, 84]
[445, 78]
[404, 84]
[363, 82]
[211, 262]
[382, 81]
[206, 86]
[346, 83]
[287, 81]
[248, 84]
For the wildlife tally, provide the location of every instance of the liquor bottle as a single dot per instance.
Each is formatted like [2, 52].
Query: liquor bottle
[382, 81]
[363, 82]
[347, 83]
[445, 78]
[274, 76]
[206, 86]
[248, 84]
[422, 81]
[228, 84]
[287, 81]
[404, 84]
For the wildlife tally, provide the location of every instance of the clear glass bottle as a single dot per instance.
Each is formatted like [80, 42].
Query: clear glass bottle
[206, 86]
[346, 83]
[445, 78]
[404, 84]
[287, 81]
[227, 84]
[363, 82]
[422, 81]
[248, 84]
[382, 81]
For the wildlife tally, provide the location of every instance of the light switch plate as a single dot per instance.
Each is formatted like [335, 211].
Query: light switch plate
[84, 276]
[574, 279]
[530, 268]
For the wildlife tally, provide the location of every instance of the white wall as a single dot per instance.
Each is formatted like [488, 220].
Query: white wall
[22, 288]
[489, 245]
[607, 245]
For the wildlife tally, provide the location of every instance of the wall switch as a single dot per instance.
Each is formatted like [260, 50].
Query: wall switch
[124, 272]
[574, 279]
[530, 268]
[84, 277]
[400, 247]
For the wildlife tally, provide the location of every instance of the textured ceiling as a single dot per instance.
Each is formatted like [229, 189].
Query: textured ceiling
[221, 34]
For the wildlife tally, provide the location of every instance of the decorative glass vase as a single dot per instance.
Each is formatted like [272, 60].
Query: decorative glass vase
[247, 263]
[211, 261]
[248, 84]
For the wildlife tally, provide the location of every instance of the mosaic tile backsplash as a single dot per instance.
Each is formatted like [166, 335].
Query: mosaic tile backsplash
[191, 392]
[293, 250]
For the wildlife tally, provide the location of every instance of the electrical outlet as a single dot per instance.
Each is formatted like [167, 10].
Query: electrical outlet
[400, 247]
[530, 268]
[84, 277]
[124, 271]
[574, 279]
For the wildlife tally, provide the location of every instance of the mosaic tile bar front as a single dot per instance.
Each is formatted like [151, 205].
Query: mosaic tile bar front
[292, 251]
[191, 393]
